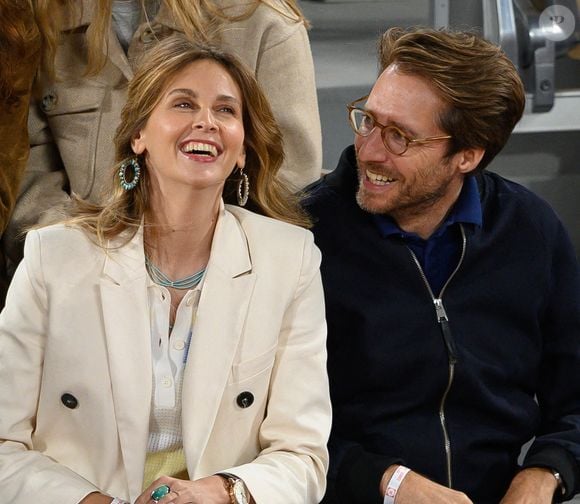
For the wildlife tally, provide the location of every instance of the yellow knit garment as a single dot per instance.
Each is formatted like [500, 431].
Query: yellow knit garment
[165, 463]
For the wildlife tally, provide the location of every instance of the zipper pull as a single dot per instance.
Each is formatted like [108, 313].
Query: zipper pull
[440, 309]
[445, 330]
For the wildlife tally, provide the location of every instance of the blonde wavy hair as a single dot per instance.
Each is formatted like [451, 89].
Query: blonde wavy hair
[200, 20]
[124, 210]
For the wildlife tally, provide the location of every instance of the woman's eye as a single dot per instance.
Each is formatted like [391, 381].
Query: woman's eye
[183, 105]
[227, 109]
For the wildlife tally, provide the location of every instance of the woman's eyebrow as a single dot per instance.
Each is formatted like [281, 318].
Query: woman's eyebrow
[193, 94]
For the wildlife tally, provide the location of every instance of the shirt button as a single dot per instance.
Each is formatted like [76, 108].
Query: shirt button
[166, 381]
[179, 345]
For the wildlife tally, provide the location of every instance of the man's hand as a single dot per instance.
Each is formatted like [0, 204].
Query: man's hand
[416, 489]
[534, 485]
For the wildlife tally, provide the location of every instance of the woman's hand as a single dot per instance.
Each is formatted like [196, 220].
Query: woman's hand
[97, 498]
[210, 490]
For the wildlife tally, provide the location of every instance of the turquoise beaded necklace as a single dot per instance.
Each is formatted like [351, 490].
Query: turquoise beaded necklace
[161, 278]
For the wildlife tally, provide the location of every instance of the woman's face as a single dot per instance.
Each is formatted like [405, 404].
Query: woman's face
[194, 137]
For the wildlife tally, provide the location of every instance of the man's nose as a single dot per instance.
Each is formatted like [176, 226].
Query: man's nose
[371, 147]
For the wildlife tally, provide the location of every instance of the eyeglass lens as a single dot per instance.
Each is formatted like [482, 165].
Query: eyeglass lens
[392, 138]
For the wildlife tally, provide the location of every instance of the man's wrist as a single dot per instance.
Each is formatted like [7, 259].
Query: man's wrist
[391, 481]
[560, 487]
[387, 475]
[394, 484]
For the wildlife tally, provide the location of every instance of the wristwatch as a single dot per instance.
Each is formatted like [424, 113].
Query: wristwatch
[236, 488]
[560, 488]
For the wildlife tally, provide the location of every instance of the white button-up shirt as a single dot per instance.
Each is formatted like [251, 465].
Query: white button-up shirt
[169, 349]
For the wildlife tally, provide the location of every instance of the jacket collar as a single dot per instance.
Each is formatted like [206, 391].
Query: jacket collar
[230, 254]
[344, 177]
[83, 14]
[78, 16]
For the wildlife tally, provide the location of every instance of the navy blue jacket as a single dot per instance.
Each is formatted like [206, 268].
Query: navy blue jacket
[502, 367]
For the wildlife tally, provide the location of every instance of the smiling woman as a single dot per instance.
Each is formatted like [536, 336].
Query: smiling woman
[194, 137]
[183, 321]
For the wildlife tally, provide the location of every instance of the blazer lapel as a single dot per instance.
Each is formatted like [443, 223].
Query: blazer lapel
[127, 332]
[224, 301]
[116, 54]
[81, 14]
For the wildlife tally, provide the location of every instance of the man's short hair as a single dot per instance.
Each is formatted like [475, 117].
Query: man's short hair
[481, 86]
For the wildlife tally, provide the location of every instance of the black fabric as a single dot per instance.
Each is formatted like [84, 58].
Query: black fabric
[360, 475]
[560, 459]
[514, 312]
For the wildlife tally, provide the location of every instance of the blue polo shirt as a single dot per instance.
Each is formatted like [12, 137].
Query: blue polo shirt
[440, 253]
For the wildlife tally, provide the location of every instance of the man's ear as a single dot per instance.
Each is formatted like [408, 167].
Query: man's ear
[468, 159]
[138, 143]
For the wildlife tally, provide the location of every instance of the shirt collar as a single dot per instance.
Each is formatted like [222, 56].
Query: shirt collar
[466, 210]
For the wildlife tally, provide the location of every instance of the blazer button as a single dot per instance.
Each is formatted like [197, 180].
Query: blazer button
[245, 399]
[49, 101]
[147, 36]
[69, 400]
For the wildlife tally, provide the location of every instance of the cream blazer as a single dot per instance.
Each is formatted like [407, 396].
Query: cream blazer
[72, 124]
[77, 322]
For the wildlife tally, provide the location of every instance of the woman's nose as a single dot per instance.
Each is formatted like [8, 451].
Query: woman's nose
[204, 120]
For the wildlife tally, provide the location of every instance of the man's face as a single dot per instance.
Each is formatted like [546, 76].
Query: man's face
[420, 179]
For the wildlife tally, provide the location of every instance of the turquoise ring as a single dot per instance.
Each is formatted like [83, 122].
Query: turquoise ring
[159, 493]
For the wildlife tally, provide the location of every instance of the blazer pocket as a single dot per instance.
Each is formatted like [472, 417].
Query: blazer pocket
[250, 368]
[74, 118]
[63, 99]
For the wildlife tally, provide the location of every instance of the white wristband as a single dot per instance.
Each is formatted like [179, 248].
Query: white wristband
[393, 484]
[119, 501]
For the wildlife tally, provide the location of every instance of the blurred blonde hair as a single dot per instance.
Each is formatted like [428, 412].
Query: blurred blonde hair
[200, 20]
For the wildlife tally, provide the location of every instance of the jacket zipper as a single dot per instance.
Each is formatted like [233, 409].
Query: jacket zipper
[443, 321]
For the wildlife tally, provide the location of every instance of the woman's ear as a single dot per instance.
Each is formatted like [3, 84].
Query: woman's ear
[138, 143]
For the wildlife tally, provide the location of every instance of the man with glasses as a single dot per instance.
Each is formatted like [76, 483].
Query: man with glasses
[453, 294]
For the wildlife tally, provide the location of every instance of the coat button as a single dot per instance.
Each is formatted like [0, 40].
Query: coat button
[245, 399]
[49, 101]
[148, 36]
[69, 400]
